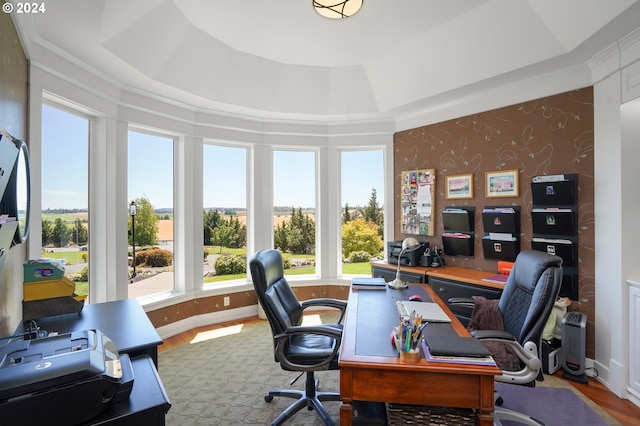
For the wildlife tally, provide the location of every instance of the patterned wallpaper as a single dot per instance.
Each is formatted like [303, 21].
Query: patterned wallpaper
[552, 135]
[13, 117]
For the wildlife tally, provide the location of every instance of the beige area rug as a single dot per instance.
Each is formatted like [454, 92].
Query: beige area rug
[221, 377]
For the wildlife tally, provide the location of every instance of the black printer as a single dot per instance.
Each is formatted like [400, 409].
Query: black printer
[409, 258]
[64, 379]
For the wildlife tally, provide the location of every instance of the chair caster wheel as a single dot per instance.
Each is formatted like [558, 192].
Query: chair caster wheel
[499, 401]
[268, 398]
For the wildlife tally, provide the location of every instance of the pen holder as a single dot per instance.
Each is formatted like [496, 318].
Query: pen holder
[410, 357]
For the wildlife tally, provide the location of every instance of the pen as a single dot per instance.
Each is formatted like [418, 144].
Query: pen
[419, 333]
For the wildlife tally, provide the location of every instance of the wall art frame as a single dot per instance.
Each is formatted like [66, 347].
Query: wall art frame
[459, 187]
[502, 184]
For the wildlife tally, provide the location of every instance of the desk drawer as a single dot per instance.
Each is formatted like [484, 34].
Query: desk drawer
[447, 289]
[390, 275]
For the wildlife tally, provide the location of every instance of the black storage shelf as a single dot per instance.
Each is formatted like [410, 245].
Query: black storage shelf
[554, 219]
[459, 237]
[8, 157]
[501, 239]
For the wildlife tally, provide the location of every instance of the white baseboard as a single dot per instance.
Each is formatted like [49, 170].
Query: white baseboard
[206, 319]
[634, 396]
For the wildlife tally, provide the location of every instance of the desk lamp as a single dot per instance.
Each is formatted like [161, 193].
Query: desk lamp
[409, 244]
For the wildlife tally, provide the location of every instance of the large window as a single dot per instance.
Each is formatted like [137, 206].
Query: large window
[362, 189]
[294, 205]
[224, 200]
[150, 187]
[65, 194]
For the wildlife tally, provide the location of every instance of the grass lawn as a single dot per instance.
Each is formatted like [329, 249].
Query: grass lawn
[70, 256]
[363, 268]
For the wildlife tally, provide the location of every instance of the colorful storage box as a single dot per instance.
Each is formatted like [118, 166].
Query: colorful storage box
[42, 270]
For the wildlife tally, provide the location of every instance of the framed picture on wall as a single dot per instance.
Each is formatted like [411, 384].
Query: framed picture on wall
[502, 183]
[459, 186]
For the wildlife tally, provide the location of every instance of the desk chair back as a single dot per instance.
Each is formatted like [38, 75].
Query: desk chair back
[281, 306]
[529, 294]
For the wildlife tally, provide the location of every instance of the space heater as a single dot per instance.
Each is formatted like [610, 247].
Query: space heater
[573, 346]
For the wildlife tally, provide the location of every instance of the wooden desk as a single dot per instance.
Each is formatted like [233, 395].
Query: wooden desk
[453, 273]
[448, 282]
[370, 369]
[123, 321]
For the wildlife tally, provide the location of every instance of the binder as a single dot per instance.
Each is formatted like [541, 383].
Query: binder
[554, 221]
[454, 345]
[368, 283]
[563, 248]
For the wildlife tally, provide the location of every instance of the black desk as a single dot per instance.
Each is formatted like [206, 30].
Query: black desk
[147, 404]
[127, 325]
[123, 321]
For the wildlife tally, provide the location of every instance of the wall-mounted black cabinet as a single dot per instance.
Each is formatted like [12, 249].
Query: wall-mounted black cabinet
[554, 219]
[501, 239]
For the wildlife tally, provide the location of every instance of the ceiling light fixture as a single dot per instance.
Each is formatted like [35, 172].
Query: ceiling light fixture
[336, 9]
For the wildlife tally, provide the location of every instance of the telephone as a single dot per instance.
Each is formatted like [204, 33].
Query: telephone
[432, 258]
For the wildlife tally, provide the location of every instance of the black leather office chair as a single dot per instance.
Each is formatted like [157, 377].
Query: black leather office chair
[297, 348]
[525, 304]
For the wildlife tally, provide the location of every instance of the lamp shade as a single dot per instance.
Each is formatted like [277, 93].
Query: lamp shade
[410, 244]
[337, 9]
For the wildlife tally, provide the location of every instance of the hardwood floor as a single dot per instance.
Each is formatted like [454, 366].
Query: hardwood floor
[621, 409]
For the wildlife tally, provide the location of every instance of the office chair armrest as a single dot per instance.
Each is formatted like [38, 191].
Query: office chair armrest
[496, 335]
[528, 355]
[466, 302]
[324, 330]
[341, 305]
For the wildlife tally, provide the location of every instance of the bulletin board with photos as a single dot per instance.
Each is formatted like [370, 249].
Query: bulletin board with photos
[417, 203]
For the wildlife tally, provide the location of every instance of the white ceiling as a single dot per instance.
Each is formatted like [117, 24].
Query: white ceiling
[280, 57]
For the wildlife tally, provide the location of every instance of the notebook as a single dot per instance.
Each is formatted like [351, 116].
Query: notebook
[369, 283]
[430, 311]
[453, 345]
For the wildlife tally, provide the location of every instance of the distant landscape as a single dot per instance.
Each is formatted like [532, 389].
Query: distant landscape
[165, 226]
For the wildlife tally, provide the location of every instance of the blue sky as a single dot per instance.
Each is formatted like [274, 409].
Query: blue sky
[65, 173]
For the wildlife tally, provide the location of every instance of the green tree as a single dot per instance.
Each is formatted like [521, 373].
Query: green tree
[60, 234]
[360, 235]
[47, 232]
[295, 240]
[240, 232]
[373, 213]
[280, 237]
[297, 235]
[146, 223]
[346, 216]
[223, 236]
[211, 219]
[79, 232]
